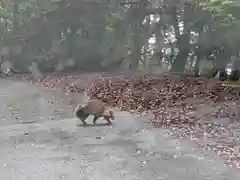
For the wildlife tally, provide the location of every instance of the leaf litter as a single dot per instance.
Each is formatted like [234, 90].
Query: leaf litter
[199, 109]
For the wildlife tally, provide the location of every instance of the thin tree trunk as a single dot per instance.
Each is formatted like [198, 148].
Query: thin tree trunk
[183, 42]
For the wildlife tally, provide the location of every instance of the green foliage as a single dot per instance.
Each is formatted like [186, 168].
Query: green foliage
[102, 32]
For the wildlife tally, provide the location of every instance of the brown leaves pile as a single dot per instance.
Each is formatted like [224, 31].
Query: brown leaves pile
[175, 102]
[172, 100]
[67, 82]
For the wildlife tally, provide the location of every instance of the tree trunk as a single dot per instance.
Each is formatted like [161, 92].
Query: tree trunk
[140, 14]
[181, 59]
[222, 58]
[15, 15]
[136, 53]
[72, 42]
[183, 41]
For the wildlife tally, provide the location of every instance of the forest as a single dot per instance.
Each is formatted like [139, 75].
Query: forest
[150, 36]
[63, 35]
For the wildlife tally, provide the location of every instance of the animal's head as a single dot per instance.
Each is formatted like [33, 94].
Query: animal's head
[79, 111]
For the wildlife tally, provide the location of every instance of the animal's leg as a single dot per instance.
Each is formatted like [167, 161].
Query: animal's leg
[83, 118]
[108, 120]
[95, 119]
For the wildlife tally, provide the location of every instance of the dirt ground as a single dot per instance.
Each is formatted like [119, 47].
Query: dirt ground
[39, 140]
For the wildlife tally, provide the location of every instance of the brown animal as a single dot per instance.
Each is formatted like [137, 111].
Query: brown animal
[96, 108]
